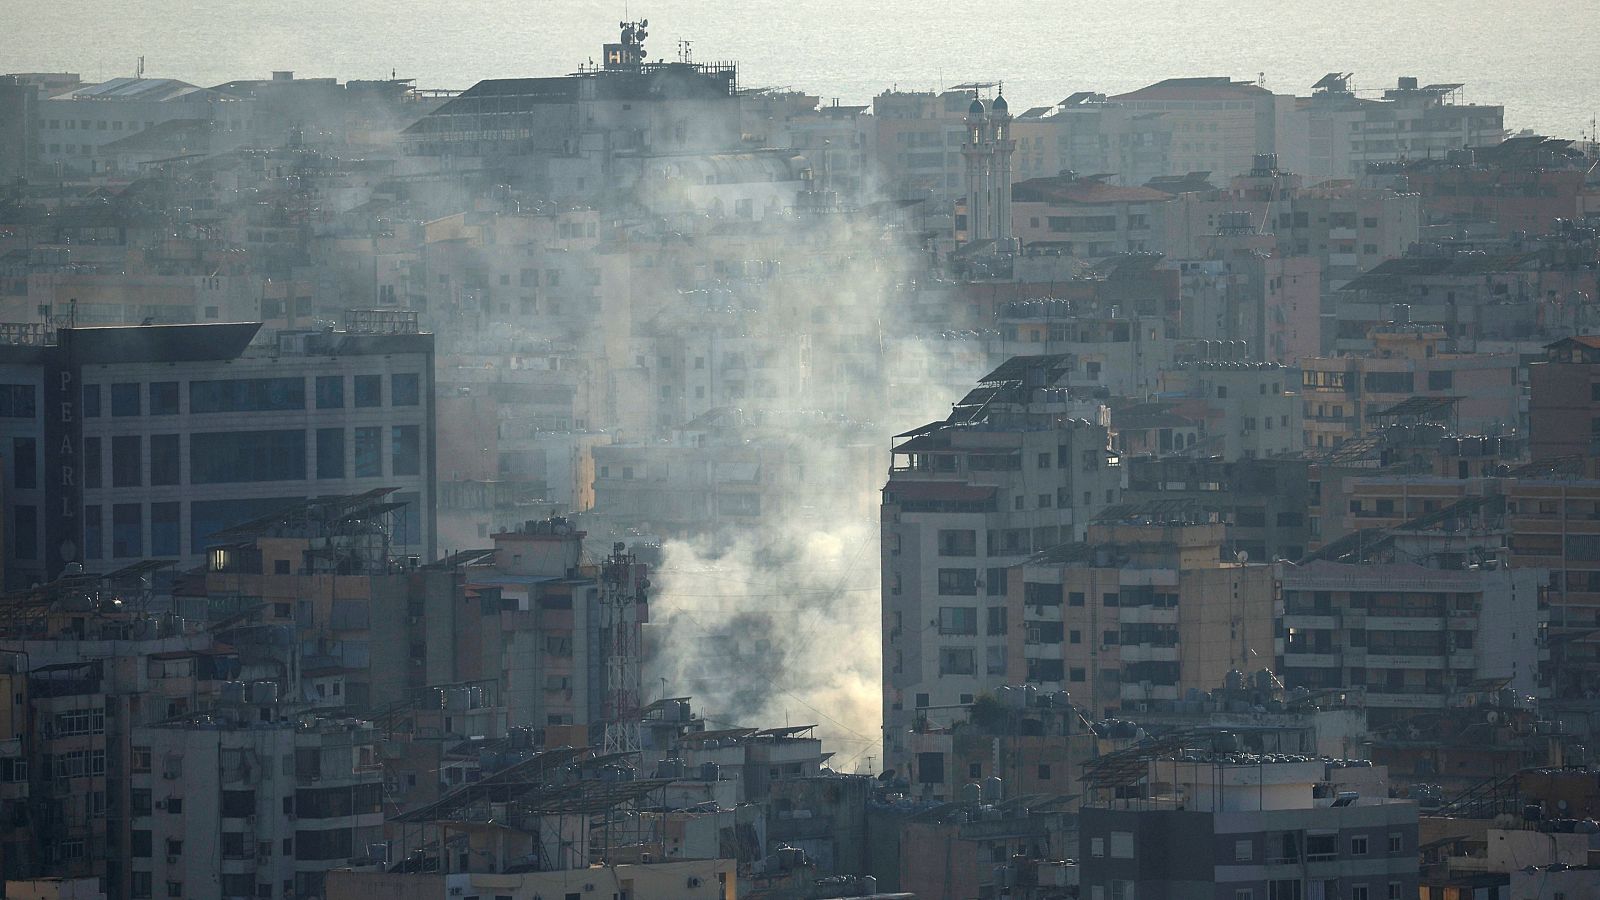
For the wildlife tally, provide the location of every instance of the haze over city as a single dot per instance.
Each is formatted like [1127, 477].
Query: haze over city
[799, 451]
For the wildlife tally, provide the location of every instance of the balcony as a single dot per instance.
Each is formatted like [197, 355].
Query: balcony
[1132, 653]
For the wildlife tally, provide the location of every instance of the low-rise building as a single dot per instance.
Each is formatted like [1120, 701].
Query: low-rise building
[1163, 823]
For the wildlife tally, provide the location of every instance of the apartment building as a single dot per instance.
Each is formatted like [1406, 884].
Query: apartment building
[1218, 124]
[1416, 638]
[1347, 228]
[1262, 501]
[1564, 403]
[1085, 217]
[1138, 613]
[918, 140]
[1334, 133]
[1165, 822]
[1121, 356]
[284, 801]
[1252, 410]
[1009, 473]
[1088, 133]
[158, 437]
[1348, 396]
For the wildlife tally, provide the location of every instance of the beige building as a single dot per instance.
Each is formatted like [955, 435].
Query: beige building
[1139, 613]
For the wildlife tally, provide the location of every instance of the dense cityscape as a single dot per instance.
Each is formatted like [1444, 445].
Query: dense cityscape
[634, 484]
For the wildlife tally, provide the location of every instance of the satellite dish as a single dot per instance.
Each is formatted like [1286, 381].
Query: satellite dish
[1243, 556]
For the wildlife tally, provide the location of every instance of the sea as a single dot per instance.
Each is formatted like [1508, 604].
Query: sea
[1536, 57]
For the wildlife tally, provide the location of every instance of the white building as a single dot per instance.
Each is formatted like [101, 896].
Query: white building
[1009, 473]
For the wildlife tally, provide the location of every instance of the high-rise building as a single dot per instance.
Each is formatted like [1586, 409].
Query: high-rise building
[138, 442]
[1016, 468]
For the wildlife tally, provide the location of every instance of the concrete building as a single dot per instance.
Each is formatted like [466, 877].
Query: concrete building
[1417, 638]
[77, 128]
[1163, 823]
[1085, 217]
[1110, 354]
[1252, 409]
[158, 437]
[1348, 396]
[1262, 501]
[284, 802]
[1138, 613]
[1011, 472]
[1335, 134]
[1088, 133]
[1564, 403]
[585, 134]
[1218, 124]
[918, 137]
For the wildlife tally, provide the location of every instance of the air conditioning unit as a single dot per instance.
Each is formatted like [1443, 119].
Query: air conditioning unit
[455, 891]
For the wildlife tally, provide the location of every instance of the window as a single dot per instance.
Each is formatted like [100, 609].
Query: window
[1243, 851]
[956, 661]
[997, 620]
[994, 582]
[125, 400]
[93, 536]
[139, 882]
[174, 889]
[221, 457]
[165, 464]
[330, 452]
[995, 660]
[1284, 889]
[139, 760]
[963, 542]
[1075, 598]
[405, 450]
[91, 400]
[165, 529]
[163, 398]
[956, 582]
[1322, 847]
[369, 452]
[1097, 847]
[27, 531]
[958, 620]
[24, 463]
[369, 390]
[1075, 675]
[404, 389]
[1358, 846]
[127, 530]
[1109, 599]
[1394, 890]
[1044, 771]
[18, 401]
[1122, 845]
[330, 392]
[1358, 892]
[1441, 381]
[1397, 842]
[245, 395]
[127, 469]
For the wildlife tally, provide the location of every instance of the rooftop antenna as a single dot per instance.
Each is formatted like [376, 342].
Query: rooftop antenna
[141, 68]
[685, 51]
